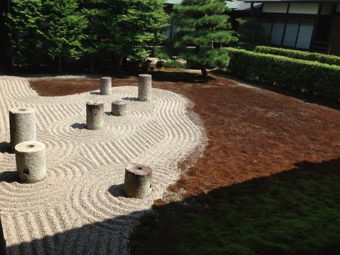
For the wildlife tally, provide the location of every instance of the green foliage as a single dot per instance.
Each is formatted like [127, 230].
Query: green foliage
[65, 29]
[307, 77]
[26, 37]
[136, 26]
[249, 29]
[292, 213]
[312, 56]
[203, 24]
[69, 29]
[96, 14]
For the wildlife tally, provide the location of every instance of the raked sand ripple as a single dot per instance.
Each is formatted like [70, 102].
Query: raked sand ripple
[80, 208]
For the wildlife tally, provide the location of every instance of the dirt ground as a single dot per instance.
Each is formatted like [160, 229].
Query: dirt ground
[251, 132]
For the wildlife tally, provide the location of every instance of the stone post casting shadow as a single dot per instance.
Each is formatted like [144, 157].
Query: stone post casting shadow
[138, 180]
[144, 87]
[105, 86]
[31, 161]
[118, 108]
[94, 115]
[22, 123]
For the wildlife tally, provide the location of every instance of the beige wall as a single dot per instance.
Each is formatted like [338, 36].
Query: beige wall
[275, 7]
[295, 8]
[302, 8]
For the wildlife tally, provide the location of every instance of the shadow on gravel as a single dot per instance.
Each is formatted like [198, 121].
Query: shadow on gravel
[5, 147]
[79, 126]
[9, 176]
[294, 212]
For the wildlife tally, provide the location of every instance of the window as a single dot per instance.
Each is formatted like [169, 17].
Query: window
[277, 31]
[292, 30]
[305, 34]
[295, 32]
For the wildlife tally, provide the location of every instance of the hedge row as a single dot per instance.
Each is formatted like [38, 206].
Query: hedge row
[307, 77]
[298, 54]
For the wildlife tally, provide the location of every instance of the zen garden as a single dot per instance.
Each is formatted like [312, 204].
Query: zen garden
[170, 127]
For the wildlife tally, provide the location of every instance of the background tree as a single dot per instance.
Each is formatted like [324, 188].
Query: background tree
[97, 13]
[136, 28]
[64, 30]
[25, 34]
[248, 29]
[204, 25]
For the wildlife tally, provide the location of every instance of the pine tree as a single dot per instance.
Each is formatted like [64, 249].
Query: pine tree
[203, 25]
[137, 26]
[97, 12]
[64, 30]
[26, 37]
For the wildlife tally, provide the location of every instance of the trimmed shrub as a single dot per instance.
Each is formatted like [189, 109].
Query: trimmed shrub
[298, 54]
[307, 77]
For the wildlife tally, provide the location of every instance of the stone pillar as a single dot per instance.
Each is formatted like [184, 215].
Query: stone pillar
[31, 161]
[2, 240]
[22, 125]
[94, 115]
[105, 86]
[144, 87]
[118, 108]
[138, 181]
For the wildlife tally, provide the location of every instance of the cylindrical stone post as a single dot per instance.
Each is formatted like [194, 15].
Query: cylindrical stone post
[31, 161]
[94, 115]
[138, 181]
[118, 108]
[105, 86]
[22, 123]
[144, 87]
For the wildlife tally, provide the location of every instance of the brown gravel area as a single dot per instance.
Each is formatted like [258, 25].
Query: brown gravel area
[251, 132]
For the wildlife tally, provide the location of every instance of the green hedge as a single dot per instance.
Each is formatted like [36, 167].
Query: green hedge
[298, 54]
[307, 77]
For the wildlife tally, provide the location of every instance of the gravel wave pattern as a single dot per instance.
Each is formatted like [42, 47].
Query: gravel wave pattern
[80, 208]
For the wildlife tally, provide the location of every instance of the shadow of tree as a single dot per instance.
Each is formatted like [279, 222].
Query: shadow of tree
[288, 92]
[294, 212]
[180, 77]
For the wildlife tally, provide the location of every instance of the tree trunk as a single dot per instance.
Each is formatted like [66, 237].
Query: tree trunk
[120, 64]
[12, 65]
[59, 64]
[91, 64]
[204, 71]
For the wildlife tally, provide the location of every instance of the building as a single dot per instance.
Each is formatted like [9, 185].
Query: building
[301, 24]
[238, 8]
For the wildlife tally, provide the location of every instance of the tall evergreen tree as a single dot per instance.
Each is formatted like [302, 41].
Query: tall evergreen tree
[137, 26]
[64, 30]
[97, 12]
[203, 24]
[26, 37]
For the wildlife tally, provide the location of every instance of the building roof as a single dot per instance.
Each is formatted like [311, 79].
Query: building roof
[173, 1]
[237, 5]
[292, 1]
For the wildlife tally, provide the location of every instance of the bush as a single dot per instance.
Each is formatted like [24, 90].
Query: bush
[298, 54]
[307, 77]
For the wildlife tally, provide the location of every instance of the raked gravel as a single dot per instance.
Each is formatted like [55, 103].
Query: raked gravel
[80, 207]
